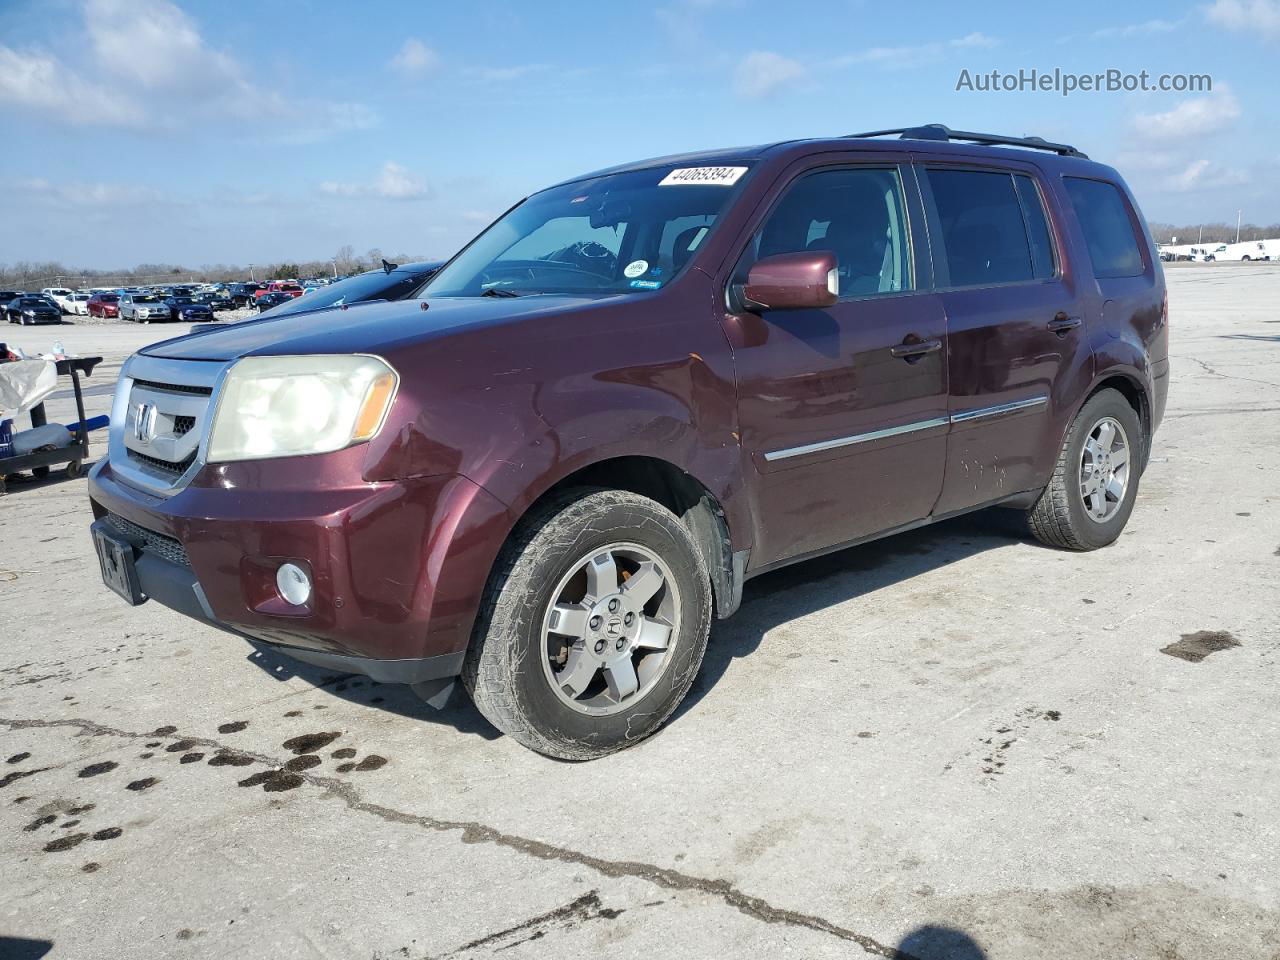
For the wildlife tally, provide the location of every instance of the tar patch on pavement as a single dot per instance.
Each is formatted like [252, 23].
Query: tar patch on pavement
[235, 727]
[143, 784]
[1194, 647]
[371, 762]
[191, 758]
[304, 762]
[65, 843]
[94, 769]
[230, 758]
[346, 753]
[91, 867]
[273, 781]
[110, 833]
[18, 758]
[180, 746]
[310, 742]
[164, 731]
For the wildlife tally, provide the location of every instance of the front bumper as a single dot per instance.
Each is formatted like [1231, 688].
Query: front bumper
[398, 569]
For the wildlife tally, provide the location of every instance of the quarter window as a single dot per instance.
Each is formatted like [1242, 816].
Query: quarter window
[857, 214]
[1108, 230]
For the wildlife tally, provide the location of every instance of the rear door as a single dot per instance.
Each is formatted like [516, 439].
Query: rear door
[843, 410]
[1017, 346]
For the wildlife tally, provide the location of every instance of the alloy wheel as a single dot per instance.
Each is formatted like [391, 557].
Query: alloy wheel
[609, 629]
[1105, 469]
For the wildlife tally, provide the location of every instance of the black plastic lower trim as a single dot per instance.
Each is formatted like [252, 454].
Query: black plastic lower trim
[177, 588]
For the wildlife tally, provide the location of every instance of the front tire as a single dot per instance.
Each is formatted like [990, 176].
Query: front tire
[1095, 482]
[593, 626]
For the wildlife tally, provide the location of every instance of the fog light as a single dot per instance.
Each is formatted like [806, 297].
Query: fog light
[293, 583]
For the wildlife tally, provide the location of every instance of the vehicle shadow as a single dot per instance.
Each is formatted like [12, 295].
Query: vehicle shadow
[20, 948]
[776, 598]
[397, 698]
[939, 943]
[768, 601]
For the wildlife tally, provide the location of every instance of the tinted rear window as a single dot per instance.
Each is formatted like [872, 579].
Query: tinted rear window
[984, 228]
[1108, 230]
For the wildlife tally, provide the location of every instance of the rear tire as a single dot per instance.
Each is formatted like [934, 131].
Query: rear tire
[1095, 482]
[574, 557]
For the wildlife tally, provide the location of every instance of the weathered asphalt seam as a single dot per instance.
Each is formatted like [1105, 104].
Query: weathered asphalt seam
[755, 907]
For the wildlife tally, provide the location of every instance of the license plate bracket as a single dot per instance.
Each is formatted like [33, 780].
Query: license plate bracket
[116, 558]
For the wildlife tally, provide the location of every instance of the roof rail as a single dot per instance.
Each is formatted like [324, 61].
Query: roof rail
[937, 131]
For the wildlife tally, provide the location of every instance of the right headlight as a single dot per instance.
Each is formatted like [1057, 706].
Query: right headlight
[290, 406]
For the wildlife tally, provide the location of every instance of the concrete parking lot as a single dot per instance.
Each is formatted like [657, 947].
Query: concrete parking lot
[953, 743]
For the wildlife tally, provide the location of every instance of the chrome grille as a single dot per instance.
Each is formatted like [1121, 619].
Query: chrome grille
[160, 420]
[166, 547]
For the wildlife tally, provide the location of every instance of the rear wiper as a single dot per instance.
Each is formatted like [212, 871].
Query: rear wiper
[501, 292]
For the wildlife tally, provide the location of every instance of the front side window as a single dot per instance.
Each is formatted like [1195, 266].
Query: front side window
[618, 234]
[1108, 231]
[857, 214]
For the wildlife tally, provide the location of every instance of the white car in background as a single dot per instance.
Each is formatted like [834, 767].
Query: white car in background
[78, 304]
[59, 296]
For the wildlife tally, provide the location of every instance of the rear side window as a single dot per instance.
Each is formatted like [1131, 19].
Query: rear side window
[994, 228]
[1108, 231]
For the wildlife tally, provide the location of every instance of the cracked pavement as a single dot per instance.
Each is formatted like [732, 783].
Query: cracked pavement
[949, 745]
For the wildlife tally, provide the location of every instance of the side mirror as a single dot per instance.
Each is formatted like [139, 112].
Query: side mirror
[793, 281]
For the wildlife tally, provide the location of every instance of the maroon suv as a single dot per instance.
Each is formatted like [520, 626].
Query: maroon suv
[633, 392]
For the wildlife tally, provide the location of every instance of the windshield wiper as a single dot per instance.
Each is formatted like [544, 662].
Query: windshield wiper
[501, 292]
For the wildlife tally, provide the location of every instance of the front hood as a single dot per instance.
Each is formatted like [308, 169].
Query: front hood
[376, 327]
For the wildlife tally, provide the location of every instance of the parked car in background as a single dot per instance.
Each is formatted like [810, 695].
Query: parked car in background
[59, 296]
[144, 308]
[30, 310]
[290, 287]
[215, 300]
[103, 305]
[396, 283]
[188, 309]
[268, 300]
[77, 304]
[8, 295]
[243, 294]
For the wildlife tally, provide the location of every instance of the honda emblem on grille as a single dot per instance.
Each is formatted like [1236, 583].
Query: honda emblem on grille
[144, 422]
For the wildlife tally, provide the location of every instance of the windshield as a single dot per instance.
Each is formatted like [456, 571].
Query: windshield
[109, 298]
[140, 298]
[181, 300]
[624, 233]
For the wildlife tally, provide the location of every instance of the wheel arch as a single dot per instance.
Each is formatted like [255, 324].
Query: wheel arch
[1129, 386]
[680, 492]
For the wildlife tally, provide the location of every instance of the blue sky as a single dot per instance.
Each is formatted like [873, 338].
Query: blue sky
[215, 131]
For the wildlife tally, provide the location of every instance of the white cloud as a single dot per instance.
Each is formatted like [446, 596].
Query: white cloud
[414, 58]
[913, 55]
[763, 73]
[393, 182]
[142, 64]
[502, 74]
[79, 196]
[975, 39]
[1190, 119]
[1260, 17]
[1145, 28]
[1203, 175]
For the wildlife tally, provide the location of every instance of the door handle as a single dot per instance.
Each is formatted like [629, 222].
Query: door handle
[915, 349]
[1061, 323]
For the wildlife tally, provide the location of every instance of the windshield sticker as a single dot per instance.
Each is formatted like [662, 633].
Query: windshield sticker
[635, 268]
[697, 239]
[703, 176]
[645, 284]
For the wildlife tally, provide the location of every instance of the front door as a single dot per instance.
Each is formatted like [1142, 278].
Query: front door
[843, 411]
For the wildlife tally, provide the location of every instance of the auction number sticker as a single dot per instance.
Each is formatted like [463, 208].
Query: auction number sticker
[703, 176]
[635, 268]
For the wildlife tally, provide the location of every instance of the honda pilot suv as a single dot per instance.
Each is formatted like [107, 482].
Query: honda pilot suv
[630, 394]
